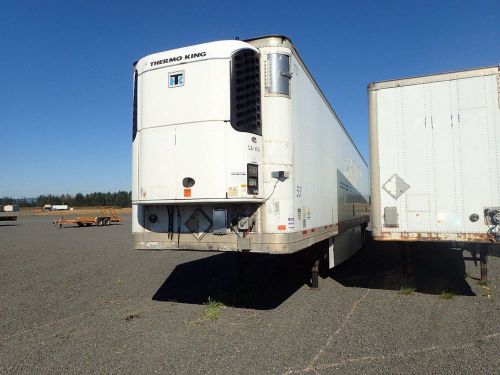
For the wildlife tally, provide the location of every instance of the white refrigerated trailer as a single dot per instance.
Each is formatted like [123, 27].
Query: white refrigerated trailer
[435, 157]
[235, 148]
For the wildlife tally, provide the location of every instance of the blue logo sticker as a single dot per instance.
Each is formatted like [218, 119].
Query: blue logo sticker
[176, 79]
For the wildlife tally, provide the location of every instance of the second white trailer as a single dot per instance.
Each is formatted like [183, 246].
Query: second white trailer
[435, 157]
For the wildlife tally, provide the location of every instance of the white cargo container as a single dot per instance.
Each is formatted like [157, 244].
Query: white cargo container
[59, 207]
[11, 208]
[235, 148]
[435, 157]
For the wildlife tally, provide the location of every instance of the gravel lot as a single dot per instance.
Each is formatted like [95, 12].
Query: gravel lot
[79, 300]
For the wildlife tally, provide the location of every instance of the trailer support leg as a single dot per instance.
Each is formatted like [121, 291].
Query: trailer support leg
[315, 269]
[483, 259]
[473, 253]
[240, 267]
[405, 257]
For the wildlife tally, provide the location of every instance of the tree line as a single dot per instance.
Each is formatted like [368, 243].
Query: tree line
[117, 199]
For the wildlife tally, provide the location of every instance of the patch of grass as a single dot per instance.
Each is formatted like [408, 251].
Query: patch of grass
[447, 294]
[212, 309]
[119, 282]
[406, 290]
[130, 317]
[486, 293]
[486, 288]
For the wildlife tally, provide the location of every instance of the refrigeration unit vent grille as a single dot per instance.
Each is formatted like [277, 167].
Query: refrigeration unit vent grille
[245, 91]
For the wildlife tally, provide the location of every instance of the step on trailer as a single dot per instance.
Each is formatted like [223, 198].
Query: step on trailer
[235, 148]
[435, 159]
[107, 217]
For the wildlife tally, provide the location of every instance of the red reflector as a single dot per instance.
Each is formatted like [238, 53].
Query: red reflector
[304, 232]
[281, 227]
[187, 193]
[313, 230]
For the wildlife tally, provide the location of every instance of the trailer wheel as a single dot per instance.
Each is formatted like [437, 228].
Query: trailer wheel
[79, 224]
[107, 221]
[100, 222]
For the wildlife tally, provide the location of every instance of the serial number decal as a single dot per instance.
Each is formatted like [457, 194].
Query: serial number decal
[253, 148]
[299, 191]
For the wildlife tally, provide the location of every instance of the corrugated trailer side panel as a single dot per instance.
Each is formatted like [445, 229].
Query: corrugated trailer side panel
[435, 148]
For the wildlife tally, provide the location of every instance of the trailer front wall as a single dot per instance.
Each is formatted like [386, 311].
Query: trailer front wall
[435, 148]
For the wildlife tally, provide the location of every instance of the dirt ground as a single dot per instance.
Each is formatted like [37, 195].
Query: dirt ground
[80, 300]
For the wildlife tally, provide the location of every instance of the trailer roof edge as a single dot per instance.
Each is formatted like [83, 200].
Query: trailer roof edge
[436, 77]
[281, 36]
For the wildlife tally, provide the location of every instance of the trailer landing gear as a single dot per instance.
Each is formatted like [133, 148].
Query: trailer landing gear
[483, 260]
[315, 273]
[318, 256]
[240, 267]
[482, 249]
[405, 258]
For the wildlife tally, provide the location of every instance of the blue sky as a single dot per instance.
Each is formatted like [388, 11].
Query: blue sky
[65, 86]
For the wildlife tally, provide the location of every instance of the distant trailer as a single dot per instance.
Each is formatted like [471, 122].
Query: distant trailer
[107, 217]
[60, 207]
[6, 212]
[435, 157]
[84, 221]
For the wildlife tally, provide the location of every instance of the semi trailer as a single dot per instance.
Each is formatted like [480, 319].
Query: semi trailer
[435, 157]
[9, 212]
[236, 148]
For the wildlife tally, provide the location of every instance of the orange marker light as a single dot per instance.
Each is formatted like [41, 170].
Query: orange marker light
[187, 193]
[281, 227]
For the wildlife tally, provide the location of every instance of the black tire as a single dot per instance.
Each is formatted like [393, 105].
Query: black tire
[100, 222]
[107, 221]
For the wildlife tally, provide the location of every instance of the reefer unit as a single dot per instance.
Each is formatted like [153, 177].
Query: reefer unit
[236, 148]
[435, 157]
